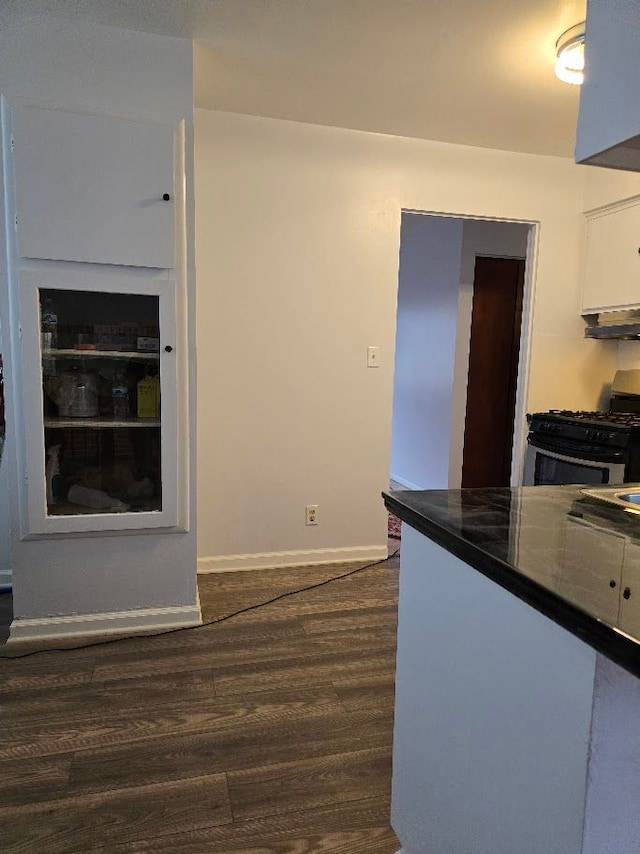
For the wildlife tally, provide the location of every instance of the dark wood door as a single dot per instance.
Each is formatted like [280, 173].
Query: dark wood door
[493, 371]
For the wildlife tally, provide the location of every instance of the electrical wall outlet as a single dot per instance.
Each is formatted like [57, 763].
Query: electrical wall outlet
[311, 514]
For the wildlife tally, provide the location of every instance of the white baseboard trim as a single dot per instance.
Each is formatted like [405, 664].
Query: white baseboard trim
[112, 622]
[276, 560]
[5, 578]
[405, 482]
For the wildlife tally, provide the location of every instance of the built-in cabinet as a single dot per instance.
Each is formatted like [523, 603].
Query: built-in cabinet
[612, 259]
[97, 301]
[93, 188]
[588, 547]
[608, 131]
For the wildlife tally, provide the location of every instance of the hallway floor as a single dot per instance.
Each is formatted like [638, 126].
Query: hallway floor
[269, 733]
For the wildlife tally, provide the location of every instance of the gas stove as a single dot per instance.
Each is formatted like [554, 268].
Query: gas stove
[597, 418]
[588, 446]
[583, 447]
[604, 428]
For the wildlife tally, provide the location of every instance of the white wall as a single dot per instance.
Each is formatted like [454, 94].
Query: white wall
[5, 550]
[607, 186]
[488, 238]
[428, 284]
[106, 70]
[297, 248]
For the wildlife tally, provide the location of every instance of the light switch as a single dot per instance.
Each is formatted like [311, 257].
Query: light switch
[373, 357]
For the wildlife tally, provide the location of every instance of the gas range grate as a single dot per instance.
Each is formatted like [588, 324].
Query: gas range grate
[624, 419]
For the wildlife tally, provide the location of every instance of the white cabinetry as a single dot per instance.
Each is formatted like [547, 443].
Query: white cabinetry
[629, 620]
[612, 259]
[93, 188]
[609, 120]
[100, 405]
[587, 548]
[100, 412]
[615, 594]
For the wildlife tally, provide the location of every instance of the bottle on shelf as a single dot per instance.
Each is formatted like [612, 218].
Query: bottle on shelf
[120, 396]
[149, 397]
[48, 325]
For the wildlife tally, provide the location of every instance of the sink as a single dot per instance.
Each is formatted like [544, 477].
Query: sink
[627, 496]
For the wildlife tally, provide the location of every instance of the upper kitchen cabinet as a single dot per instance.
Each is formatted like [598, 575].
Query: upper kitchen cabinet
[612, 259]
[93, 188]
[609, 120]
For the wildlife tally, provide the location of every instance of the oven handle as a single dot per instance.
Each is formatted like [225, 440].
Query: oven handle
[580, 453]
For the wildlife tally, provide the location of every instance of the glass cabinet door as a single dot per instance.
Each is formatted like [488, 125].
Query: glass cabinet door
[101, 425]
[100, 367]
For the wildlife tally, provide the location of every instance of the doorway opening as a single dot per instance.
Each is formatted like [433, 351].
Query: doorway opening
[461, 347]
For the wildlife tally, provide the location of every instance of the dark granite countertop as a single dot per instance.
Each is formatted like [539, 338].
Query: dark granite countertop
[573, 559]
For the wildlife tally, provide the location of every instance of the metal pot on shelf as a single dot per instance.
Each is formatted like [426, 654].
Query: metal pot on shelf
[75, 393]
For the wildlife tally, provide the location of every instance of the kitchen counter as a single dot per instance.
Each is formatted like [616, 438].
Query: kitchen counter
[570, 557]
[517, 697]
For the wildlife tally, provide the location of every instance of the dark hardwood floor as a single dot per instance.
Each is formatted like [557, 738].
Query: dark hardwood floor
[269, 733]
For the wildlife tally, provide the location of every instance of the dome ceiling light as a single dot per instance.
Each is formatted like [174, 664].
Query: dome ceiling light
[570, 55]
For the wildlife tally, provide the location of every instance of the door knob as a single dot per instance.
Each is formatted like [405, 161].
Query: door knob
[167, 198]
[627, 592]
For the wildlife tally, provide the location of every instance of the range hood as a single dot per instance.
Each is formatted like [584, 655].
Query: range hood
[623, 325]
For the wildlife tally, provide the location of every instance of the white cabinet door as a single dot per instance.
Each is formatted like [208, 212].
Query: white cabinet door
[90, 188]
[629, 620]
[584, 580]
[612, 260]
[116, 468]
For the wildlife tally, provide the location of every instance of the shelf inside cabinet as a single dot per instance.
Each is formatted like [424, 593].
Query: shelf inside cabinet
[103, 421]
[129, 355]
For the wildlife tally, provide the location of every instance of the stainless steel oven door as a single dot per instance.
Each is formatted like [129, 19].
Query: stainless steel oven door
[544, 466]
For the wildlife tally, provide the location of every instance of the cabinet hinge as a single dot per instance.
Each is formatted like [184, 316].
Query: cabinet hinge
[13, 144]
[16, 222]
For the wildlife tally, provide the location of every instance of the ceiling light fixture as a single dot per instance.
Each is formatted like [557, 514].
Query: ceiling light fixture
[570, 55]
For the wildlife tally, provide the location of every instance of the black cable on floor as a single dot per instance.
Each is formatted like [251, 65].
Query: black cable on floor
[122, 638]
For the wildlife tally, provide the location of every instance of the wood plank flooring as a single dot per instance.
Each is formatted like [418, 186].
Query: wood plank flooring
[269, 733]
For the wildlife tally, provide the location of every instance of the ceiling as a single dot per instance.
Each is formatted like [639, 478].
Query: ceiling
[476, 72]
